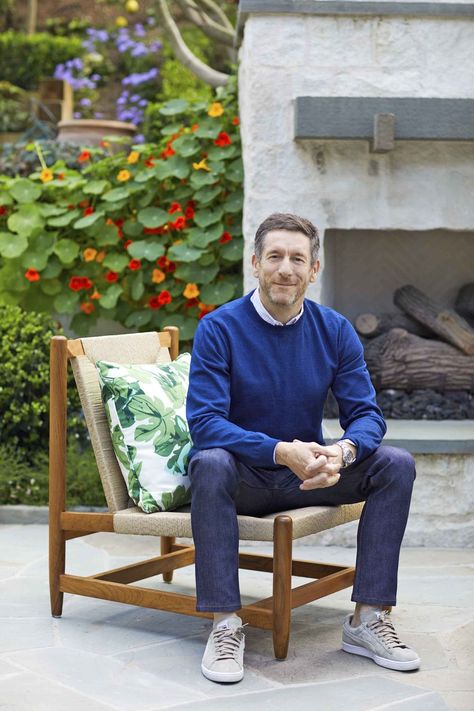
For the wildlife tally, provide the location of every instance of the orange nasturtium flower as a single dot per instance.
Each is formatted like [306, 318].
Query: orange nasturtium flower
[88, 307]
[100, 257]
[124, 175]
[89, 254]
[191, 291]
[215, 109]
[85, 155]
[202, 165]
[157, 276]
[32, 275]
[46, 175]
[96, 295]
[133, 157]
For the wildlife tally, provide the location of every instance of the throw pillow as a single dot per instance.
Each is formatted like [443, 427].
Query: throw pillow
[146, 411]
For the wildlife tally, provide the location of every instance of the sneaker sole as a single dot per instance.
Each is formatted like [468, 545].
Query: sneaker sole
[381, 661]
[224, 677]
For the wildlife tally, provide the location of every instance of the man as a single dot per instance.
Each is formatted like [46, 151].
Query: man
[261, 369]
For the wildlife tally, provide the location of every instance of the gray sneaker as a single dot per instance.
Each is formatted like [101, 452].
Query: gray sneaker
[223, 658]
[377, 639]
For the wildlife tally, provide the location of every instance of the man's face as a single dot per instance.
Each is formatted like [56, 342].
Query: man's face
[284, 270]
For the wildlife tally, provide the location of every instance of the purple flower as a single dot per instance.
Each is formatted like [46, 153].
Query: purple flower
[77, 115]
[139, 30]
[85, 101]
[96, 77]
[140, 138]
[98, 115]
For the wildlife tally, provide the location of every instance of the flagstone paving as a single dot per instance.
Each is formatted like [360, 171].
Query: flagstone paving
[110, 657]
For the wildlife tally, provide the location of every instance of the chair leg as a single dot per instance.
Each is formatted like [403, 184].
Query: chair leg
[167, 543]
[57, 565]
[282, 560]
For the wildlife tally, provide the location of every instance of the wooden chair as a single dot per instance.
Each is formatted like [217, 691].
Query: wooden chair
[123, 517]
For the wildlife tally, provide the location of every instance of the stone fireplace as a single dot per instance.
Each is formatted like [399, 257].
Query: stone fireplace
[360, 116]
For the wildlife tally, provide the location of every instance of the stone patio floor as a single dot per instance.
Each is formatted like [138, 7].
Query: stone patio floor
[106, 656]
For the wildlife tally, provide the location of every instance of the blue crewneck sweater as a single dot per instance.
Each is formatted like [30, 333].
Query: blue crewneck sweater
[253, 384]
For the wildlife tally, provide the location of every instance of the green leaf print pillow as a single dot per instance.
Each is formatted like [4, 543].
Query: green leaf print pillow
[146, 410]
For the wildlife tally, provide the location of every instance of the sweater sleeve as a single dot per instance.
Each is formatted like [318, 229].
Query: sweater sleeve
[359, 415]
[208, 402]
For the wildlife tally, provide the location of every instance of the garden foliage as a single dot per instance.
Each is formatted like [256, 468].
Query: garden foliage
[147, 238]
[25, 59]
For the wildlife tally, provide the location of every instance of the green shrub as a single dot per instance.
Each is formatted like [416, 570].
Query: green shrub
[24, 383]
[24, 483]
[27, 59]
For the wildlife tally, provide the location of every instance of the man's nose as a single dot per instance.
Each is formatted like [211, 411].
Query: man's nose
[285, 267]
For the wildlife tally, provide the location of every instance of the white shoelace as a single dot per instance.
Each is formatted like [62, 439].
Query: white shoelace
[227, 641]
[385, 631]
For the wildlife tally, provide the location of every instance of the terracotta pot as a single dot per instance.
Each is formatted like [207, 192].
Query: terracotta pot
[90, 132]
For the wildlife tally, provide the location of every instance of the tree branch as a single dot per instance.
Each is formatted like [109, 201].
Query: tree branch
[206, 24]
[184, 54]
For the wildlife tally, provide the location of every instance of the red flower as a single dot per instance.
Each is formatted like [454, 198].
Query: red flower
[171, 266]
[189, 213]
[134, 264]
[3, 210]
[88, 211]
[71, 206]
[111, 276]
[191, 302]
[84, 203]
[119, 222]
[194, 127]
[225, 237]
[153, 230]
[179, 224]
[85, 155]
[150, 162]
[76, 283]
[154, 302]
[60, 176]
[127, 244]
[168, 152]
[32, 275]
[166, 264]
[165, 298]
[235, 121]
[175, 207]
[223, 139]
[87, 307]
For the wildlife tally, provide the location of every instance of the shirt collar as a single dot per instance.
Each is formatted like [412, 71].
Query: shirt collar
[263, 313]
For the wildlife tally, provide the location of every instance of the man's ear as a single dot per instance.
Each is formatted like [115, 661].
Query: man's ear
[315, 270]
[255, 265]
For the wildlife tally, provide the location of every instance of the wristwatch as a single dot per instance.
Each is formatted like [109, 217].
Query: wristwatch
[348, 457]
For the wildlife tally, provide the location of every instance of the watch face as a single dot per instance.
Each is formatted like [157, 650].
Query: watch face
[349, 457]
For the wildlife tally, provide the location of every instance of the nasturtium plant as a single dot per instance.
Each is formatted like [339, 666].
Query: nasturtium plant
[147, 237]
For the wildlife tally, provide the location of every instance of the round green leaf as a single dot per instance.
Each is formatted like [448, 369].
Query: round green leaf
[5, 198]
[132, 228]
[27, 219]
[138, 318]
[24, 190]
[201, 237]
[143, 176]
[207, 193]
[144, 249]
[44, 242]
[234, 202]
[233, 251]
[66, 302]
[109, 296]
[187, 326]
[34, 259]
[186, 146]
[48, 210]
[12, 245]
[95, 187]
[204, 218]
[183, 253]
[197, 274]
[218, 293]
[116, 194]
[87, 221]
[176, 167]
[202, 177]
[209, 128]
[116, 262]
[52, 269]
[235, 171]
[170, 128]
[137, 288]
[106, 235]
[153, 217]
[66, 250]
[50, 286]
[64, 220]
[173, 107]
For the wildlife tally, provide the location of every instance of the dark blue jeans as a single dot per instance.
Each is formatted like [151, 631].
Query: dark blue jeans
[222, 487]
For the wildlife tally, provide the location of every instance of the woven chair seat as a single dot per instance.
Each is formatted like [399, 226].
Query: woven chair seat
[306, 521]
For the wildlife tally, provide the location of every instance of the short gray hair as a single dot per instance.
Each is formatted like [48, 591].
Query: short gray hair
[292, 223]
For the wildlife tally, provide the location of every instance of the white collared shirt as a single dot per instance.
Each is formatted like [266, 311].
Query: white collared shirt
[263, 313]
